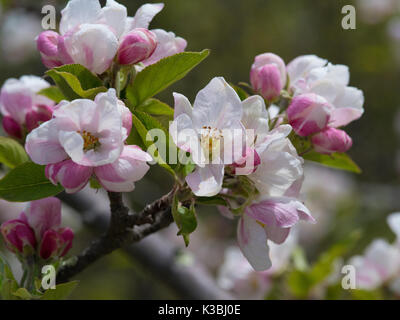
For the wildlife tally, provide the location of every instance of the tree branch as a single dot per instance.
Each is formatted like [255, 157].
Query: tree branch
[124, 229]
[157, 256]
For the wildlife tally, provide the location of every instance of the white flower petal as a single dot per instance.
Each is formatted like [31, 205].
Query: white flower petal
[78, 12]
[94, 46]
[114, 15]
[182, 105]
[167, 45]
[145, 14]
[253, 243]
[207, 181]
[217, 105]
[43, 146]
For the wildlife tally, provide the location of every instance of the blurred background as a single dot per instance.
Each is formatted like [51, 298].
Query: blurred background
[236, 31]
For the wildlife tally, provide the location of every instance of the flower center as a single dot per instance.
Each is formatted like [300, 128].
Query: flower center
[89, 140]
[210, 141]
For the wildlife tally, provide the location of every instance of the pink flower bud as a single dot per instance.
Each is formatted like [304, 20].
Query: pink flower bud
[268, 75]
[308, 113]
[12, 127]
[248, 163]
[56, 243]
[37, 115]
[18, 236]
[136, 46]
[47, 44]
[331, 140]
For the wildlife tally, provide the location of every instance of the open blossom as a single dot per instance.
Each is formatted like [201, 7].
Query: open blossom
[91, 36]
[205, 130]
[237, 276]
[38, 227]
[276, 210]
[380, 262]
[86, 138]
[22, 108]
[277, 178]
[268, 75]
[322, 99]
[311, 74]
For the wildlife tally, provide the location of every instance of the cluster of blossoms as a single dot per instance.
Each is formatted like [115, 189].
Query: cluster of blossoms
[95, 37]
[37, 231]
[264, 193]
[380, 264]
[321, 101]
[242, 150]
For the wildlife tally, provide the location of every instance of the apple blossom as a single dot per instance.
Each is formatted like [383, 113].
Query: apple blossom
[308, 113]
[18, 236]
[268, 218]
[56, 243]
[22, 108]
[86, 138]
[331, 140]
[136, 46]
[380, 262]
[238, 276]
[47, 44]
[93, 36]
[38, 227]
[311, 74]
[268, 75]
[205, 130]
[255, 120]
[278, 178]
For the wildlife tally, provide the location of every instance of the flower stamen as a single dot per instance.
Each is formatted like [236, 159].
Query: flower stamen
[90, 141]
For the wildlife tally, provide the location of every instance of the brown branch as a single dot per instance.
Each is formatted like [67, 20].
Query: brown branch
[124, 229]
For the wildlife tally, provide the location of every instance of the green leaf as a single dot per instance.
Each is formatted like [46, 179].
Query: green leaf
[23, 294]
[185, 219]
[299, 283]
[143, 124]
[61, 292]
[302, 281]
[188, 168]
[94, 183]
[27, 182]
[359, 294]
[335, 160]
[243, 95]
[75, 81]
[156, 107]
[325, 264]
[212, 201]
[122, 78]
[8, 287]
[53, 93]
[159, 76]
[12, 153]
